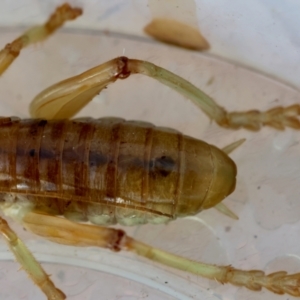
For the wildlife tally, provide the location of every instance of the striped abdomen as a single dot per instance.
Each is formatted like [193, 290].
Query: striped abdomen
[108, 170]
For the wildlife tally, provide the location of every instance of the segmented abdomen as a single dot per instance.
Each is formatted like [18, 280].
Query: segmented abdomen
[107, 170]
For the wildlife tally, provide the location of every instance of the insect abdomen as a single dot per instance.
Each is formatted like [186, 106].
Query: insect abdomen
[106, 170]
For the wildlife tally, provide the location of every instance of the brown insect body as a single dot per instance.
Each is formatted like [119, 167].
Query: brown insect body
[110, 171]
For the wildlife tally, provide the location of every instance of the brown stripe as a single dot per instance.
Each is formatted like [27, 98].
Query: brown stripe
[81, 164]
[28, 139]
[112, 167]
[51, 152]
[180, 165]
[146, 169]
[35, 135]
[61, 143]
[13, 153]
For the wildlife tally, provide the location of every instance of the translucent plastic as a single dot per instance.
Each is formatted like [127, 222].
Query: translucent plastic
[266, 198]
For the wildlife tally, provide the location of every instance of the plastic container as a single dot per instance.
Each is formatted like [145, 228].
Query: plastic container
[266, 197]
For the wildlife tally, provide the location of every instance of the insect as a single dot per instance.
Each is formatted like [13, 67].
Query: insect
[49, 165]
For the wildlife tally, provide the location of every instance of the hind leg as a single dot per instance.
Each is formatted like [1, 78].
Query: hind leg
[66, 98]
[62, 231]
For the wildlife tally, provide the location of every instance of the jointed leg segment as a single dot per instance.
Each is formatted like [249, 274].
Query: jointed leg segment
[29, 263]
[37, 34]
[63, 231]
[65, 99]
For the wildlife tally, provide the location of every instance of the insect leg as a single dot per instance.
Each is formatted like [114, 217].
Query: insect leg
[66, 98]
[63, 231]
[37, 34]
[29, 263]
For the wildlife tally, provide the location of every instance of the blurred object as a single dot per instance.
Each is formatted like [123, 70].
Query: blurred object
[176, 33]
[175, 22]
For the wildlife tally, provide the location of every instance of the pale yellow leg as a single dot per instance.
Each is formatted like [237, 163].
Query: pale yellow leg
[63, 231]
[66, 98]
[29, 264]
[37, 34]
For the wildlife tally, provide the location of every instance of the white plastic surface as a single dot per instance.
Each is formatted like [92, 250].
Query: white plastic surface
[266, 198]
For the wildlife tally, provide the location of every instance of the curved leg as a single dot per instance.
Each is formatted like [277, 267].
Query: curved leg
[66, 98]
[63, 231]
[37, 34]
[29, 263]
